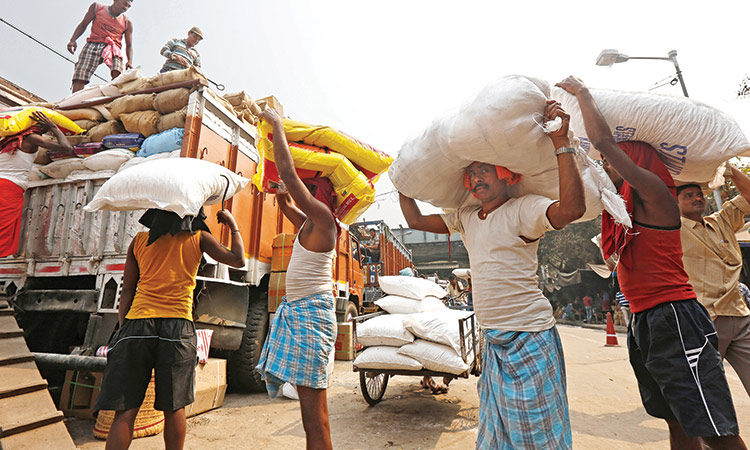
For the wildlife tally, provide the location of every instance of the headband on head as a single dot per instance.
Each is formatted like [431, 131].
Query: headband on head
[502, 173]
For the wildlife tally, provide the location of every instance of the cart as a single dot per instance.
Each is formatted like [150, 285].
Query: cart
[373, 382]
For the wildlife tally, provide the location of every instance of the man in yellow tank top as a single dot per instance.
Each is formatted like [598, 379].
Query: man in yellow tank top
[156, 321]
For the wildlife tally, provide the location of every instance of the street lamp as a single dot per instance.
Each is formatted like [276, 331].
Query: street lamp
[611, 56]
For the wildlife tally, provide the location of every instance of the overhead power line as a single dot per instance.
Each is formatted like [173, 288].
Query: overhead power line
[42, 44]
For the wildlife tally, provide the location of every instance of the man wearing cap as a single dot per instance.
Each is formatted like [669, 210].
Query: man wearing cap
[181, 53]
[522, 390]
[713, 262]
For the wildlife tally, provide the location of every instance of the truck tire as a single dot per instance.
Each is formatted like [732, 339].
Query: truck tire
[242, 374]
[348, 314]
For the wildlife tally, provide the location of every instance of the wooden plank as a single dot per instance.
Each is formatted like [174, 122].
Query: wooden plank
[26, 409]
[22, 373]
[22, 388]
[54, 436]
[39, 421]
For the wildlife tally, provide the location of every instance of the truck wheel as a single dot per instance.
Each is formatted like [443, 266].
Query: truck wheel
[348, 314]
[242, 374]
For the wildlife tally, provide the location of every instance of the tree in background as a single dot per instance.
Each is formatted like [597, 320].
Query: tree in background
[571, 248]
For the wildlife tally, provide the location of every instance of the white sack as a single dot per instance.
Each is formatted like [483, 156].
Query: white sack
[498, 125]
[180, 185]
[78, 175]
[108, 159]
[62, 168]
[411, 287]
[385, 358]
[134, 161]
[435, 357]
[395, 304]
[387, 329]
[693, 139]
[439, 326]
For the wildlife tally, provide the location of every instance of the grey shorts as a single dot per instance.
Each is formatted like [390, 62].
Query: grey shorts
[167, 346]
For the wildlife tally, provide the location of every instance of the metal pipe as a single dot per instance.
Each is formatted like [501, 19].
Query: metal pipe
[71, 362]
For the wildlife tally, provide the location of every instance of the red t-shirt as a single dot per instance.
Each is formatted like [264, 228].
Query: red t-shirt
[105, 26]
[656, 274]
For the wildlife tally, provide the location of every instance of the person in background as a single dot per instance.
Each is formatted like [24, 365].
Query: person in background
[108, 26]
[17, 155]
[454, 287]
[181, 53]
[606, 304]
[588, 303]
[713, 262]
[156, 321]
[303, 332]
[672, 342]
[624, 306]
[522, 390]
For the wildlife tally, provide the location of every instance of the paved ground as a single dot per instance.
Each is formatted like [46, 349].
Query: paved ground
[605, 411]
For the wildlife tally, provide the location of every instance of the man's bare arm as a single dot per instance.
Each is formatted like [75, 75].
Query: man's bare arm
[741, 182]
[432, 223]
[130, 276]
[291, 212]
[81, 28]
[659, 203]
[129, 45]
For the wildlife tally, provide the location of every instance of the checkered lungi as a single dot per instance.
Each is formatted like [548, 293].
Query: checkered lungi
[299, 343]
[522, 392]
[91, 58]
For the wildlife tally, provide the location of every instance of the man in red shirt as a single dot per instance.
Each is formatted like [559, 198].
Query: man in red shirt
[588, 302]
[108, 25]
[672, 343]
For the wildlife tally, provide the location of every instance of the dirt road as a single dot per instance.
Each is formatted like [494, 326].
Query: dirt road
[605, 411]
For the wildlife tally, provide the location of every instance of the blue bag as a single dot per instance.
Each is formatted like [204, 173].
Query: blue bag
[131, 141]
[166, 141]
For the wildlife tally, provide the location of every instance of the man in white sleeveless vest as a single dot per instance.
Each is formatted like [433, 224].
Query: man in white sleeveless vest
[303, 332]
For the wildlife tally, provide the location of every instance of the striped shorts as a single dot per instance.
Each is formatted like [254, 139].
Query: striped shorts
[91, 58]
[673, 351]
[522, 392]
[299, 343]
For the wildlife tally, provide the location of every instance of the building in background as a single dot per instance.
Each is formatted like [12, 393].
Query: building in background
[434, 252]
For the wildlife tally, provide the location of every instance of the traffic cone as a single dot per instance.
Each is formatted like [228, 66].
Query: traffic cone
[611, 335]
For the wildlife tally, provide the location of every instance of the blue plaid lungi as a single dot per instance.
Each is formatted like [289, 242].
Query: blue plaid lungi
[301, 339]
[522, 392]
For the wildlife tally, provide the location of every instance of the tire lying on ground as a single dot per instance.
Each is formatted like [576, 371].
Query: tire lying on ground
[242, 375]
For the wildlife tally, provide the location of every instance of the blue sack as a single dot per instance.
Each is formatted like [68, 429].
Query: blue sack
[131, 141]
[166, 141]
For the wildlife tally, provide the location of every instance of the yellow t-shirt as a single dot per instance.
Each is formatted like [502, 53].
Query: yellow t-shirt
[167, 276]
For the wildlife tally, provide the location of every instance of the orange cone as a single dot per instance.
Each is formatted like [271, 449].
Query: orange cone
[611, 335]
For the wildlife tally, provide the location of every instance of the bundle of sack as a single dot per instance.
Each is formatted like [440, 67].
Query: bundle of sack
[244, 106]
[180, 185]
[418, 332]
[501, 125]
[693, 139]
[320, 151]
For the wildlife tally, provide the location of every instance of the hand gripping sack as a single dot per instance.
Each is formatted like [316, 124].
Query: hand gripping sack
[16, 120]
[498, 125]
[180, 185]
[692, 138]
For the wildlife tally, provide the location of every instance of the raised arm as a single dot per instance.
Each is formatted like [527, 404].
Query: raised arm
[660, 204]
[291, 212]
[313, 209]
[741, 182]
[432, 223]
[572, 204]
[234, 256]
[81, 28]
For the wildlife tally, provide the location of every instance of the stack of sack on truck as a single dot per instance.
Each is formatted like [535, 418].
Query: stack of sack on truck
[244, 106]
[321, 151]
[419, 331]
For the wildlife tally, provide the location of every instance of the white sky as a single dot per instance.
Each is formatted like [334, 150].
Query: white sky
[383, 70]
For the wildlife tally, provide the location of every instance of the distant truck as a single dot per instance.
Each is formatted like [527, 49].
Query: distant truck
[383, 253]
[65, 280]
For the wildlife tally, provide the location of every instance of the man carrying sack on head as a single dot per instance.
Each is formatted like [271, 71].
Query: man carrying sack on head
[522, 389]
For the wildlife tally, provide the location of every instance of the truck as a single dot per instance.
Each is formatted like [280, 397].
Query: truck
[383, 253]
[65, 280]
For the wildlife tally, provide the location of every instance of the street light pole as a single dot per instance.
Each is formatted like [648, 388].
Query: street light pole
[610, 56]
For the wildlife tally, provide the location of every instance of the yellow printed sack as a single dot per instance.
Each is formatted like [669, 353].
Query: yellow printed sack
[16, 120]
[371, 161]
[354, 192]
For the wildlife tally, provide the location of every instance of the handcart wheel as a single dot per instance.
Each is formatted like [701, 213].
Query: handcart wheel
[373, 386]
